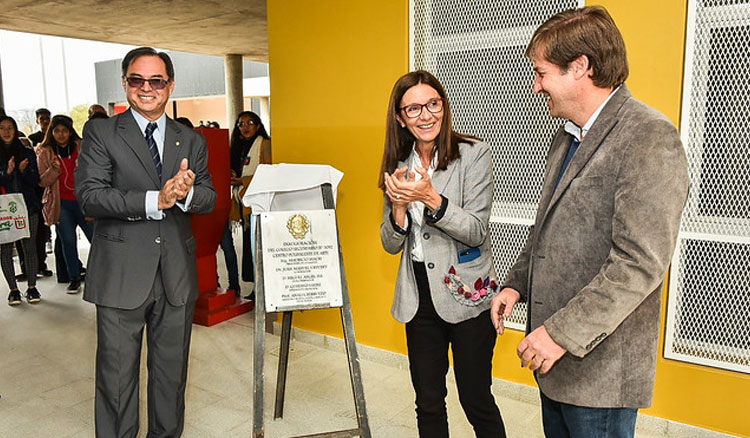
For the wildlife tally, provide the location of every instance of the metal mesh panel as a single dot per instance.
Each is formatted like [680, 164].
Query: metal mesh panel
[476, 49]
[507, 242]
[707, 320]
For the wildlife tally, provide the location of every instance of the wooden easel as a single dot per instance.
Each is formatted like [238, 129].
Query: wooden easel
[355, 373]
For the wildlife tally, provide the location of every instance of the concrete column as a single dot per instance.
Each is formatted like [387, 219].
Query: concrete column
[233, 84]
[265, 112]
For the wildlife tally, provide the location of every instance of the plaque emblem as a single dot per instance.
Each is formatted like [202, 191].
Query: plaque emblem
[298, 225]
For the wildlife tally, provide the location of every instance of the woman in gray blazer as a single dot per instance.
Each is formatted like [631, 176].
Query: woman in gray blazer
[438, 187]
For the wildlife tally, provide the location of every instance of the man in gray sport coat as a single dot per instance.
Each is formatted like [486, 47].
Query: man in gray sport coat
[140, 175]
[593, 267]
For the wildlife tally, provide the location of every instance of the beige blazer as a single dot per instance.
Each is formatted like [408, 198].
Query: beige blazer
[593, 266]
[467, 183]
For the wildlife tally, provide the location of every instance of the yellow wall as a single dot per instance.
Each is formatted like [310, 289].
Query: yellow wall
[332, 65]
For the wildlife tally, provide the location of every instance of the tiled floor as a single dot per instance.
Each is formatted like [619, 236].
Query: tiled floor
[47, 382]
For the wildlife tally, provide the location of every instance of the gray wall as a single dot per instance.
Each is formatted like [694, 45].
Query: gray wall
[195, 75]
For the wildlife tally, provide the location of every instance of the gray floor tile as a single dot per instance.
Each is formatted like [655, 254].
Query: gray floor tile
[48, 357]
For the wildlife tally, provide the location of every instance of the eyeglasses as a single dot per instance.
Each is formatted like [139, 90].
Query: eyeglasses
[415, 110]
[250, 123]
[155, 83]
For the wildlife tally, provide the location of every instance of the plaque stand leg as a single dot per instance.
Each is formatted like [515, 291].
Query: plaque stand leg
[260, 339]
[350, 341]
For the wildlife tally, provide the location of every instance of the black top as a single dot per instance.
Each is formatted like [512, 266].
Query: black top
[24, 182]
[237, 153]
[36, 138]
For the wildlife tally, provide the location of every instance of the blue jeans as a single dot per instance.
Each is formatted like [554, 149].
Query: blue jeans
[70, 217]
[230, 257]
[562, 420]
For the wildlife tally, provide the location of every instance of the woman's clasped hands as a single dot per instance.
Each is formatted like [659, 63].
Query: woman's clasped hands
[402, 187]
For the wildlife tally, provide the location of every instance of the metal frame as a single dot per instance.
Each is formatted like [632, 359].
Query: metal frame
[426, 45]
[695, 75]
[350, 341]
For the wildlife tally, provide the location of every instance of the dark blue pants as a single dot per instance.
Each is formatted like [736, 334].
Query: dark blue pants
[71, 217]
[562, 420]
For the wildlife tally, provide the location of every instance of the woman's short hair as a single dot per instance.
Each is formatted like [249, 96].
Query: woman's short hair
[589, 31]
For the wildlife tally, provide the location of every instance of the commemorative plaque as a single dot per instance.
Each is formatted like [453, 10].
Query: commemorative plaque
[300, 260]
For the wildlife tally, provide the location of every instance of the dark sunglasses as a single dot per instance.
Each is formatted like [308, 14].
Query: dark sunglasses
[155, 83]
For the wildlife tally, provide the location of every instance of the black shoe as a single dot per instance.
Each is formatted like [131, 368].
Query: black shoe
[236, 290]
[46, 273]
[33, 295]
[21, 277]
[14, 298]
[82, 273]
[74, 287]
[250, 297]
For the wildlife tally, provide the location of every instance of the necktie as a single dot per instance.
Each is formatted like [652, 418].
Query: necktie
[150, 128]
[571, 150]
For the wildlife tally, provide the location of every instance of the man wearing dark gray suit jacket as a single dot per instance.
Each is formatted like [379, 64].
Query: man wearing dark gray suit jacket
[593, 267]
[140, 175]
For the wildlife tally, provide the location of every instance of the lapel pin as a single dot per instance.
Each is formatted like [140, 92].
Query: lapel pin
[177, 143]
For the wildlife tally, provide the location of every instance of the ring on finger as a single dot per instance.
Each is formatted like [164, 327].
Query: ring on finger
[398, 196]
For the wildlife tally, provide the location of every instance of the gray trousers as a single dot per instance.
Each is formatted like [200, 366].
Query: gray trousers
[120, 334]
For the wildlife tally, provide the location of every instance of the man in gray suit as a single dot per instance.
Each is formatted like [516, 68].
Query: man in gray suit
[140, 175]
[593, 267]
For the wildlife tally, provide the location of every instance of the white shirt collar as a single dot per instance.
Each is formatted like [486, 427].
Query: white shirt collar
[142, 122]
[579, 133]
[417, 161]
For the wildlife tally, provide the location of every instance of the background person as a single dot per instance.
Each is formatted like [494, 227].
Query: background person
[58, 158]
[97, 109]
[141, 175]
[96, 112]
[19, 174]
[593, 267]
[438, 187]
[250, 145]
[43, 233]
[185, 121]
[43, 117]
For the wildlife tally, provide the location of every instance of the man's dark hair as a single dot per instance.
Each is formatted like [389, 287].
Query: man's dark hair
[185, 121]
[147, 51]
[41, 111]
[98, 115]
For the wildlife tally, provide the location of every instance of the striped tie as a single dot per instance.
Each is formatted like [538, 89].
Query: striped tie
[152, 146]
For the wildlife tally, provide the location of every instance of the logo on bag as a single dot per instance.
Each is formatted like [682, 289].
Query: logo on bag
[12, 207]
[5, 226]
[20, 223]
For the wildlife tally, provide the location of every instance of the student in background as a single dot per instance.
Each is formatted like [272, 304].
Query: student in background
[19, 174]
[58, 158]
[250, 145]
